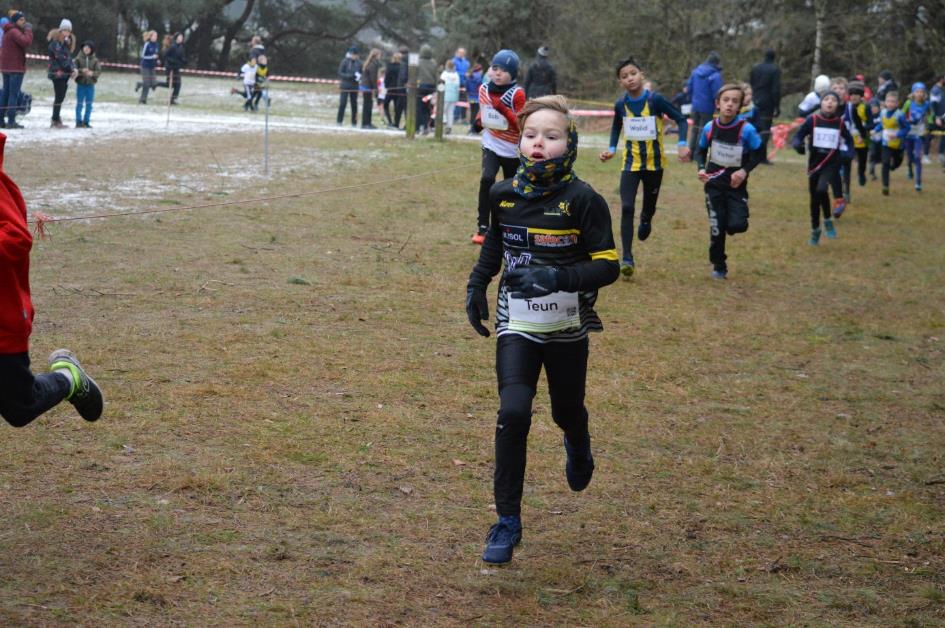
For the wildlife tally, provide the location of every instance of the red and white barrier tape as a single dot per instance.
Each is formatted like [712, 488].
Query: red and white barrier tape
[185, 71]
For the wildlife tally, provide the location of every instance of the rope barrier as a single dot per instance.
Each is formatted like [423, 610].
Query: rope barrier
[41, 220]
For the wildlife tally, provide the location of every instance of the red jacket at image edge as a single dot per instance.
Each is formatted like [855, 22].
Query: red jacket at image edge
[13, 56]
[16, 308]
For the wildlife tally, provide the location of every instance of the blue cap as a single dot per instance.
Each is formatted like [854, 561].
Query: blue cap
[918, 85]
[508, 61]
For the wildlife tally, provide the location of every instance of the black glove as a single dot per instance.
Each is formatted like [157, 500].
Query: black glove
[799, 148]
[529, 282]
[477, 309]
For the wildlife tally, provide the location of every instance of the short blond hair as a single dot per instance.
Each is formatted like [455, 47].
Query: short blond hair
[838, 80]
[554, 102]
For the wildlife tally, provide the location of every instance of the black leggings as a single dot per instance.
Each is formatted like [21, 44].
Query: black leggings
[60, 86]
[861, 156]
[367, 99]
[892, 159]
[728, 215]
[817, 184]
[346, 95]
[490, 168]
[518, 364]
[841, 181]
[629, 183]
[23, 396]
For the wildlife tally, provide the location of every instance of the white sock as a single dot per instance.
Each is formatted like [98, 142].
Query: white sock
[68, 375]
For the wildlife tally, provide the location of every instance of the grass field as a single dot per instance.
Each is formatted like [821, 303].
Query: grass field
[299, 421]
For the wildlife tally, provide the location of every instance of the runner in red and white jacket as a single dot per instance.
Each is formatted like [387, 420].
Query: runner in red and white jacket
[499, 103]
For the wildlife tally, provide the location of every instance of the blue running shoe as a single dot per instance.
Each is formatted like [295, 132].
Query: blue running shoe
[627, 267]
[814, 237]
[502, 538]
[829, 228]
[580, 467]
[839, 206]
[918, 187]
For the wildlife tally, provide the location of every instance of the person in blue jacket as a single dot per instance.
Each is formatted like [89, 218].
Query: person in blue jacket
[703, 85]
[149, 59]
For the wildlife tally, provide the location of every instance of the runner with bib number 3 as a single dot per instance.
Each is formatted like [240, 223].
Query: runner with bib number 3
[553, 233]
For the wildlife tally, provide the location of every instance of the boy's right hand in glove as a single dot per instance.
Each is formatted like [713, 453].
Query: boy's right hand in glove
[477, 310]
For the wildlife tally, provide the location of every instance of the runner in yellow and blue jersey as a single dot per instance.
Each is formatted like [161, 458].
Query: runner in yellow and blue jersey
[640, 115]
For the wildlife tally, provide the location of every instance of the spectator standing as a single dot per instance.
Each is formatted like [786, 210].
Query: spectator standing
[426, 85]
[61, 67]
[256, 47]
[349, 71]
[174, 61]
[450, 80]
[886, 84]
[704, 83]
[392, 88]
[542, 80]
[473, 83]
[461, 64]
[149, 59]
[938, 112]
[400, 105]
[18, 35]
[766, 94]
[368, 84]
[88, 70]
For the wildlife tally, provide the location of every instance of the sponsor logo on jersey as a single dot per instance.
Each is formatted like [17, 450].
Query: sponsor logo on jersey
[555, 241]
[507, 204]
[563, 208]
[515, 236]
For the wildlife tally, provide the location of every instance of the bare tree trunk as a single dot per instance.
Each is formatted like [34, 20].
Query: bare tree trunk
[820, 13]
[231, 32]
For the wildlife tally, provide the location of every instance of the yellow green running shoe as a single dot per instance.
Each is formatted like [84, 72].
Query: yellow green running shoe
[85, 395]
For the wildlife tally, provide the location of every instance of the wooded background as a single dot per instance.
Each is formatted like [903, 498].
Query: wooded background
[669, 37]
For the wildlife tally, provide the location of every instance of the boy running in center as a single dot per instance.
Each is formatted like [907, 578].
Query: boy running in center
[727, 152]
[891, 127]
[830, 143]
[640, 115]
[553, 233]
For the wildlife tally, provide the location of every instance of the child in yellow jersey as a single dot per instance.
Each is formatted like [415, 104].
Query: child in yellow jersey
[858, 113]
[891, 127]
[640, 115]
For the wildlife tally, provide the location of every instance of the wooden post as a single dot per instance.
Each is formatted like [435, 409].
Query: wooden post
[411, 123]
[440, 101]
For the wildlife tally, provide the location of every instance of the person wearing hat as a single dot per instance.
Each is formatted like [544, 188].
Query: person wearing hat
[541, 79]
[499, 103]
[703, 85]
[886, 84]
[17, 37]
[349, 72]
[89, 69]
[61, 67]
[426, 86]
[859, 114]
[917, 109]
